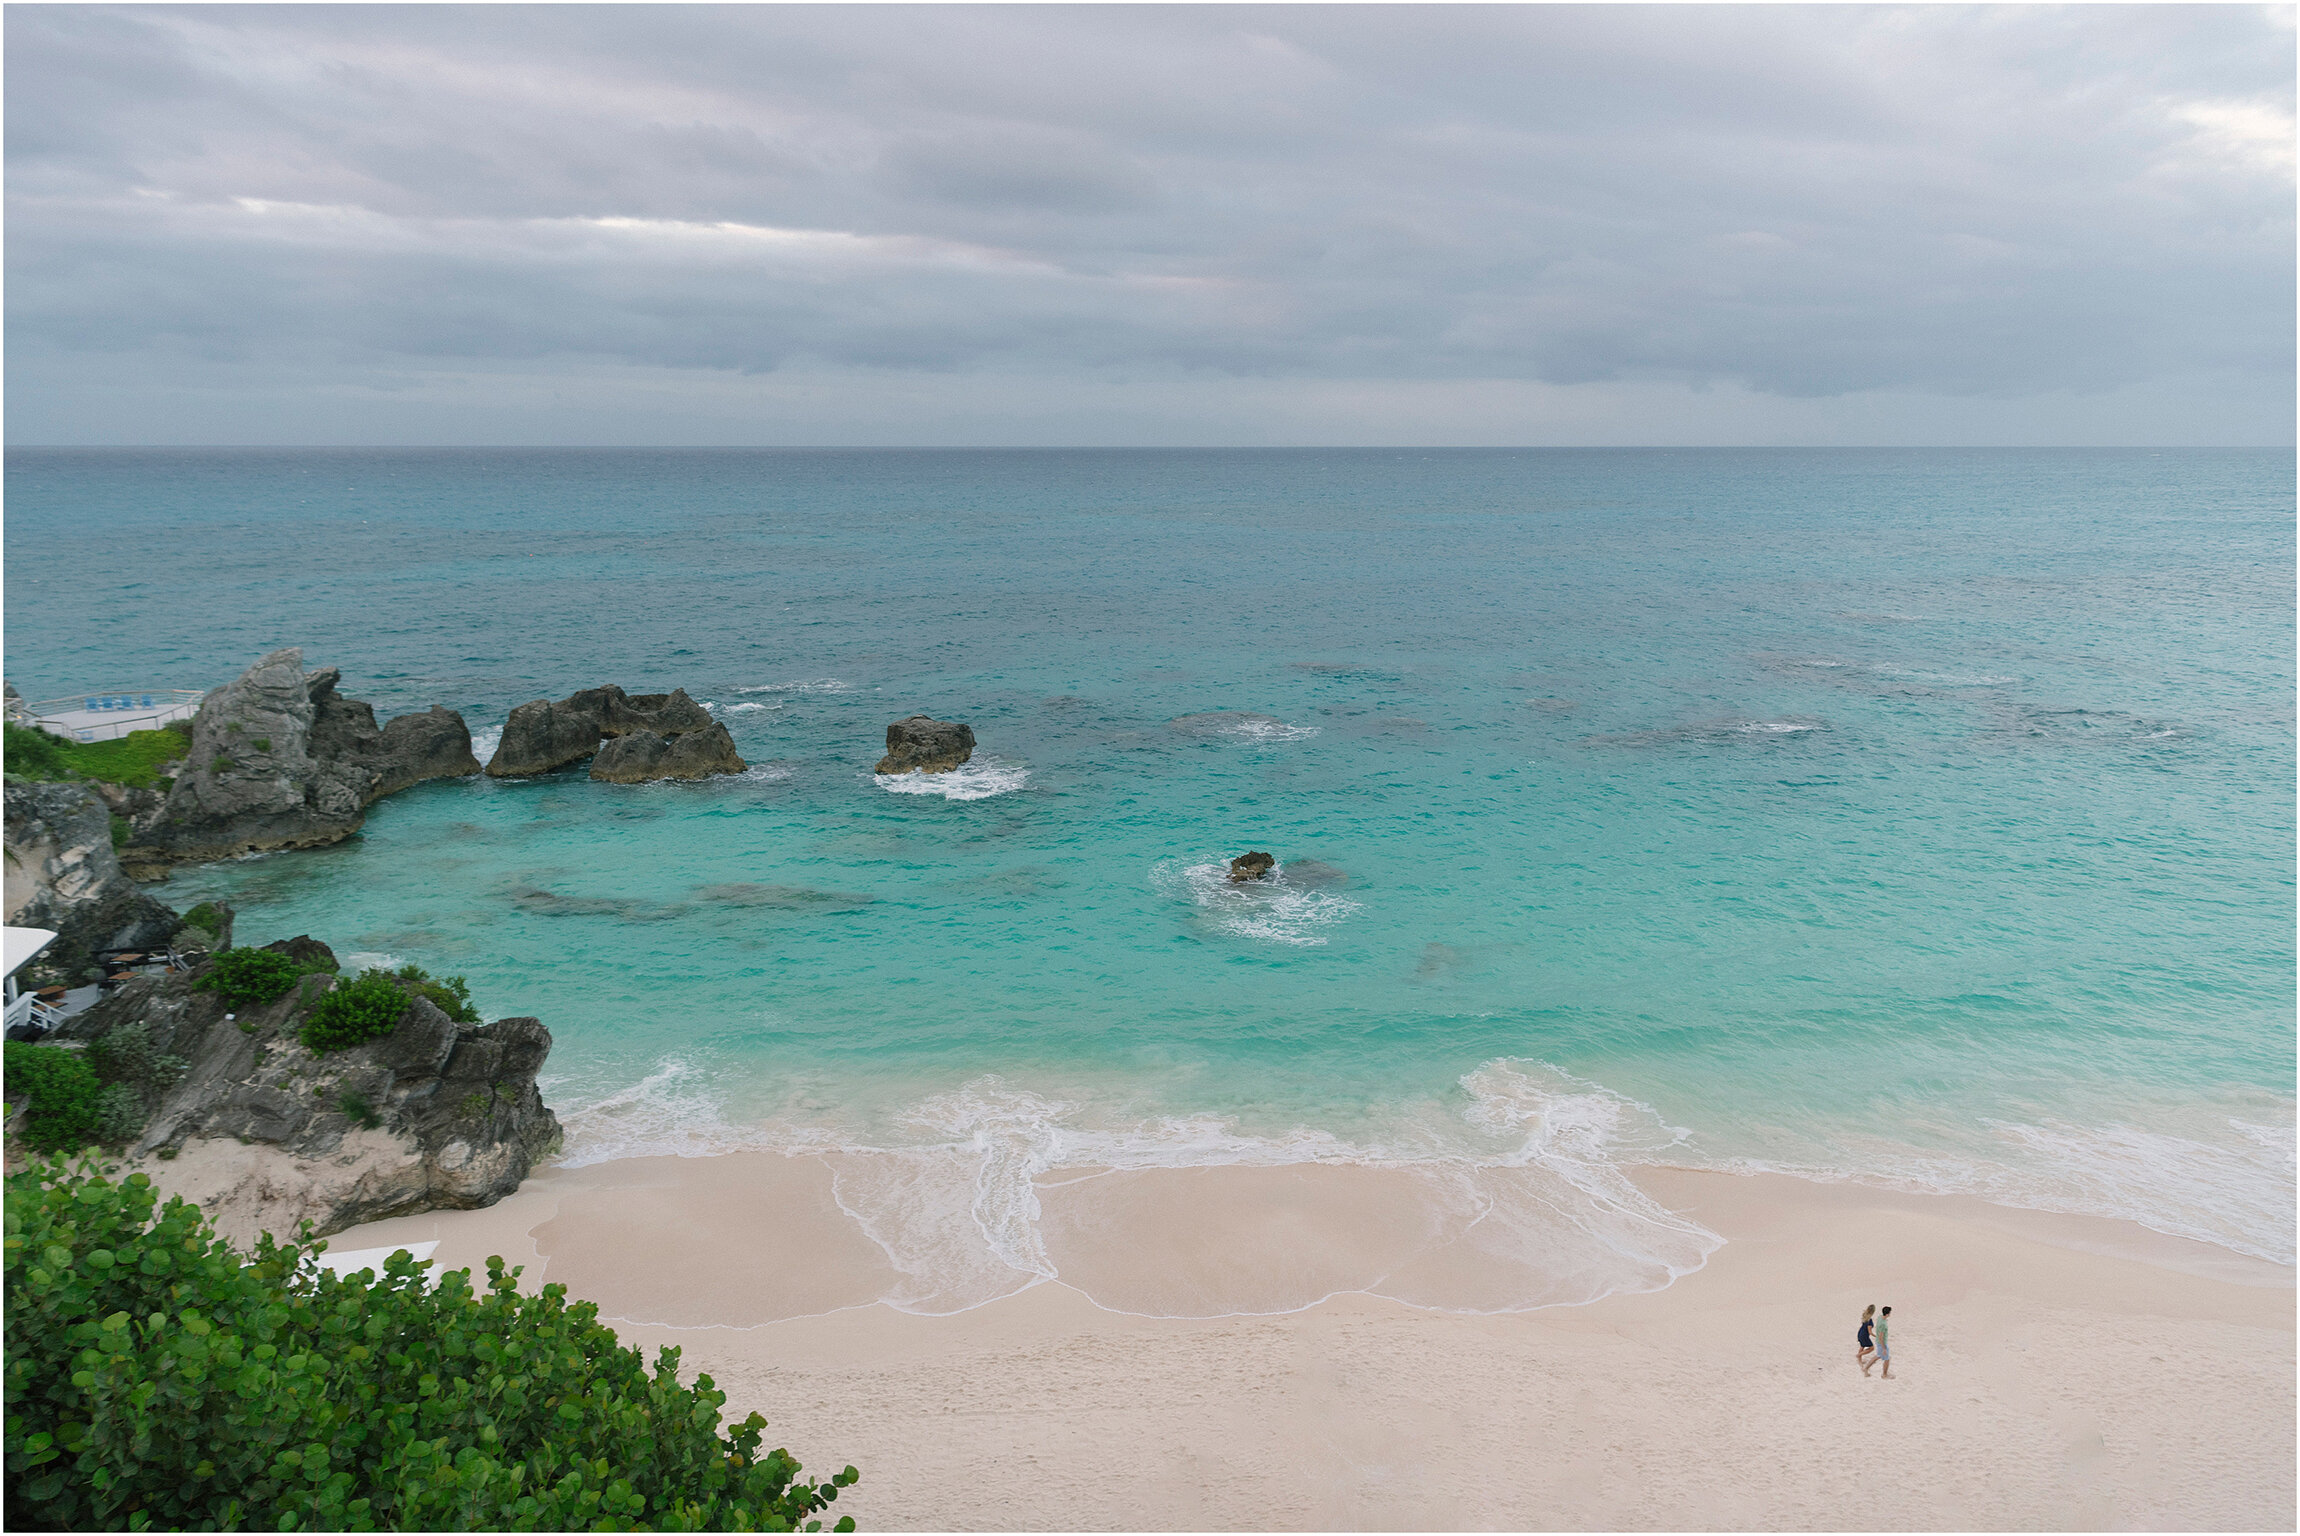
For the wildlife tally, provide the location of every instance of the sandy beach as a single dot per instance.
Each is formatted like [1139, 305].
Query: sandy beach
[2050, 1372]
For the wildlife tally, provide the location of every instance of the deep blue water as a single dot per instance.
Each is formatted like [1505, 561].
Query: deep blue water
[1921, 816]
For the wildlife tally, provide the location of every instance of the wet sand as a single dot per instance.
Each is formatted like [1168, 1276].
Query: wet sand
[2050, 1372]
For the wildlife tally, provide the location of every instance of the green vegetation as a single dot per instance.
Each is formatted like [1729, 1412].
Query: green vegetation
[249, 976]
[208, 919]
[134, 759]
[66, 1106]
[451, 995]
[358, 1109]
[121, 831]
[355, 1012]
[103, 1094]
[156, 1379]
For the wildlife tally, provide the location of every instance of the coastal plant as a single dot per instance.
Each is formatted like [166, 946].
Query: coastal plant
[122, 831]
[156, 1378]
[355, 1012]
[64, 1102]
[358, 1109]
[247, 977]
[134, 760]
[130, 1056]
[451, 995]
[120, 1114]
[209, 919]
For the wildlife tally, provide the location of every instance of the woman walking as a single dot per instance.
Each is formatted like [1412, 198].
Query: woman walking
[1865, 1346]
[1884, 1343]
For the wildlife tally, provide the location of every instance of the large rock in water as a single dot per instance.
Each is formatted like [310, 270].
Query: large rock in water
[924, 744]
[262, 1134]
[636, 737]
[1252, 866]
[665, 714]
[643, 756]
[280, 760]
[541, 735]
[63, 874]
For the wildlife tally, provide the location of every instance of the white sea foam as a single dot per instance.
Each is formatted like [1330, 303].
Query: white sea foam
[748, 707]
[669, 1113]
[1269, 730]
[484, 743]
[2235, 1191]
[370, 960]
[1538, 1215]
[812, 685]
[976, 780]
[1241, 726]
[767, 773]
[1273, 909]
[1521, 1186]
[1775, 727]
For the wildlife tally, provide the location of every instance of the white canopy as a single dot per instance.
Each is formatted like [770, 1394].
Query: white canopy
[23, 944]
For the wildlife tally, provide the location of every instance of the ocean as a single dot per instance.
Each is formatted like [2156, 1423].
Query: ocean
[1918, 817]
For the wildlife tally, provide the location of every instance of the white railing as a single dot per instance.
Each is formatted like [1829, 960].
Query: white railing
[110, 714]
[28, 1009]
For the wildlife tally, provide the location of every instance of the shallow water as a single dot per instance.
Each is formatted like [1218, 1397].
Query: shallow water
[1918, 816]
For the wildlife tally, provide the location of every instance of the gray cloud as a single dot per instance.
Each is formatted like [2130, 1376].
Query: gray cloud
[1042, 205]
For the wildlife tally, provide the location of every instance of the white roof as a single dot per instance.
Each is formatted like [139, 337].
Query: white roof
[23, 944]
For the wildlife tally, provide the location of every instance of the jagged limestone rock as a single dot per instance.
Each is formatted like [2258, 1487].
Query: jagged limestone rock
[924, 744]
[631, 738]
[643, 756]
[62, 873]
[1252, 866]
[263, 1134]
[279, 760]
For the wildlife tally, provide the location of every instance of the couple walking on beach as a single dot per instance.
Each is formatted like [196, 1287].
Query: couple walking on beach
[1871, 1336]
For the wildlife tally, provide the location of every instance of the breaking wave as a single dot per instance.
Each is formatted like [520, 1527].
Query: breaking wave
[1278, 909]
[976, 780]
[1518, 1200]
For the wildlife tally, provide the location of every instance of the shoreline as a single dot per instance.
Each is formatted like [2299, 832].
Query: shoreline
[2051, 1371]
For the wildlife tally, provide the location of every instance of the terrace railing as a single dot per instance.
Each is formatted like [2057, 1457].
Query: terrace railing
[109, 714]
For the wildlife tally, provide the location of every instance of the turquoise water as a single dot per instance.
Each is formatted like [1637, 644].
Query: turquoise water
[1916, 816]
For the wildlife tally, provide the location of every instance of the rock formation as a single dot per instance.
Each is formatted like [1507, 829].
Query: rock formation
[923, 744]
[64, 874]
[647, 736]
[641, 756]
[263, 1134]
[1252, 866]
[279, 760]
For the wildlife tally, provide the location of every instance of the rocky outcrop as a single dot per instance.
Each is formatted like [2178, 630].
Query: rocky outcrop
[643, 756]
[632, 738]
[263, 1134]
[665, 714]
[1252, 866]
[64, 874]
[923, 744]
[280, 760]
[541, 735]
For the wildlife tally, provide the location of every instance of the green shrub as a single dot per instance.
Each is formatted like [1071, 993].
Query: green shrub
[157, 1379]
[358, 1109]
[249, 976]
[130, 1055]
[66, 1102]
[120, 1114]
[355, 1012]
[451, 995]
[134, 759]
[32, 753]
[121, 830]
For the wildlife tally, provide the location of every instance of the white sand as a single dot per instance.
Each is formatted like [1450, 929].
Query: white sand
[2050, 1372]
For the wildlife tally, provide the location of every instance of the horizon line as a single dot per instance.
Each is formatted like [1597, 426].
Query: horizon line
[1140, 447]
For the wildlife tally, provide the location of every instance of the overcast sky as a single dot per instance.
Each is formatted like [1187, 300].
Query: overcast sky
[1189, 225]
